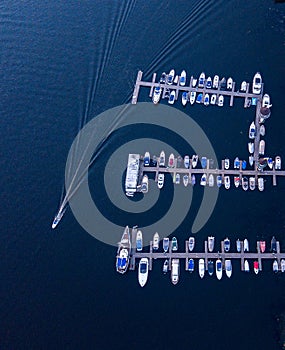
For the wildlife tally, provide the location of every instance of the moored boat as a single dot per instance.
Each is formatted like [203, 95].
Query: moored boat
[194, 82]
[244, 183]
[182, 80]
[282, 265]
[227, 182]
[162, 78]
[193, 180]
[237, 181]
[275, 266]
[213, 99]
[255, 267]
[252, 183]
[238, 244]
[201, 81]
[203, 180]
[201, 268]
[194, 161]
[260, 184]
[245, 245]
[186, 162]
[216, 82]
[170, 77]
[162, 159]
[219, 180]
[192, 97]
[221, 101]
[156, 241]
[175, 271]
[199, 98]
[243, 164]
[227, 163]
[211, 180]
[228, 268]
[277, 163]
[206, 100]
[230, 83]
[177, 179]
[171, 98]
[165, 266]
[191, 265]
[139, 241]
[243, 86]
[171, 161]
[262, 130]
[257, 83]
[156, 94]
[165, 244]
[191, 244]
[184, 98]
[123, 252]
[219, 269]
[261, 147]
[266, 101]
[223, 84]
[250, 147]
[251, 160]
[262, 246]
[246, 266]
[146, 159]
[209, 83]
[210, 267]
[174, 244]
[236, 163]
[273, 245]
[270, 162]
[252, 130]
[144, 184]
[211, 243]
[160, 181]
[204, 162]
[143, 271]
[227, 244]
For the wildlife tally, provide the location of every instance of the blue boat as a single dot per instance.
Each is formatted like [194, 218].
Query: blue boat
[219, 180]
[191, 265]
[193, 180]
[210, 267]
[146, 159]
[204, 162]
[243, 165]
[236, 163]
[199, 98]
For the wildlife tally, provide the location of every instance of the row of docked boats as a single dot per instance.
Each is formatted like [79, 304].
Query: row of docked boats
[166, 80]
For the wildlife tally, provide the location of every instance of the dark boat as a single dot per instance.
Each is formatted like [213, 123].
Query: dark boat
[210, 267]
[273, 245]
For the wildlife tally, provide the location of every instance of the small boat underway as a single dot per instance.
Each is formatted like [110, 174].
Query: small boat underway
[227, 245]
[256, 267]
[123, 252]
[257, 83]
[273, 245]
[201, 81]
[139, 241]
[227, 163]
[252, 183]
[262, 246]
[252, 130]
[155, 241]
[201, 268]
[210, 267]
[260, 184]
[165, 266]
[171, 161]
[144, 185]
[221, 101]
[192, 97]
[194, 160]
[227, 182]
[211, 243]
[261, 147]
[228, 267]
[186, 162]
[216, 82]
[191, 243]
[160, 181]
[245, 245]
[191, 265]
[184, 98]
[230, 83]
[170, 77]
[244, 183]
[246, 266]
[143, 271]
[277, 163]
[275, 266]
[174, 244]
[162, 159]
[182, 80]
[219, 269]
[165, 244]
[171, 98]
[175, 271]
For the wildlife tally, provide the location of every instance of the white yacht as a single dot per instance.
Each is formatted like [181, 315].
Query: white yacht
[261, 147]
[252, 183]
[277, 163]
[228, 267]
[156, 94]
[209, 83]
[211, 243]
[175, 271]
[216, 82]
[227, 163]
[230, 84]
[143, 271]
[227, 182]
[245, 245]
[144, 185]
[182, 80]
[139, 241]
[194, 82]
[219, 269]
[155, 241]
[201, 268]
[213, 99]
[171, 98]
[257, 83]
[192, 97]
[160, 181]
[243, 86]
[191, 244]
[221, 101]
[251, 147]
[170, 77]
[260, 184]
[161, 159]
[246, 266]
[266, 101]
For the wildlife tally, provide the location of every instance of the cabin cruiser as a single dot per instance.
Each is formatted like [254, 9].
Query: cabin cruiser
[203, 180]
[192, 97]
[146, 159]
[219, 180]
[261, 147]
[245, 245]
[257, 83]
[191, 244]
[277, 163]
[227, 163]
[260, 184]
[244, 183]
[211, 180]
[273, 245]
[211, 243]
[210, 267]
[185, 180]
[139, 241]
[237, 181]
[186, 162]
[156, 94]
[251, 147]
[207, 100]
[175, 271]
[165, 266]
[246, 266]
[251, 160]
[201, 81]
[170, 77]
[204, 162]
[144, 185]
[243, 86]
[160, 181]
[252, 130]
[165, 244]
[184, 98]
[236, 163]
[171, 161]
[221, 101]
[174, 244]
[209, 83]
[255, 267]
[201, 268]
[194, 160]
[219, 269]
[227, 245]
[191, 265]
[213, 99]
[171, 98]
[155, 241]
[216, 82]
[143, 271]
[230, 84]
[238, 243]
[123, 252]
[182, 80]
[227, 182]
[228, 267]
[252, 183]
[275, 266]
[199, 98]
[162, 159]
[262, 246]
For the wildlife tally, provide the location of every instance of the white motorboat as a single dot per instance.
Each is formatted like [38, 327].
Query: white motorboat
[206, 100]
[236, 163]
[211, 180]
[245, 245]
[237, 181]
[243, 86]
[174, 244]
[191, 244]
[227, 244]
[165, 244]
[160, 181]
[262, 130]
[260, 184]
[246, 266]
[185, 180]
[227, 182]
[155, 241]
[175, 271]
[230, 84]
[228, 267]
[194, 161]
[170, 77]
[146, 159]
[143, 271]
[192, 97]
[209, 83]
[252, 183]
[123, 252]
[162, 159]
[171, 98]
[219, 269]
[266, 101]
[216, 82]
[194, 82]
[203, 180]
[261, 147]
[238, 243]
[144, 185]
[201, 268]
[251, 160]
[165, 266]
[244, 183]
[211, 243]
[171, 161]
[213, 99]
[252, 130]
[182, 80]
[257, 83]
[270, 162]
[275, 266]
[184, 98]
[277, 163]
[227, 163]
[282, 265]
[201, 81]
[186, 162]
[221, 101]
[139, 241]
[156, 94]
[250, 147]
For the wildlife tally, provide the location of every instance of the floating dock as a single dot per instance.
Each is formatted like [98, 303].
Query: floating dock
[206, 255]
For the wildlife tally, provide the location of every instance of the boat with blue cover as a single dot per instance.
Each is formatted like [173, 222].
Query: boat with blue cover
[201, 81]
[191, 265]
[139, 241]
[219, 180]
[204, 162]
[199, 98]
[123, 252]
[243, 165]
[236, 163]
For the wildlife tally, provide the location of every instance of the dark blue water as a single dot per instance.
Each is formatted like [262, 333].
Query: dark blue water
[63, 63]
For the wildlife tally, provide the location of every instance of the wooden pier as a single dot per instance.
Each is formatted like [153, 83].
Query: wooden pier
[177, 88]
[206, 255]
